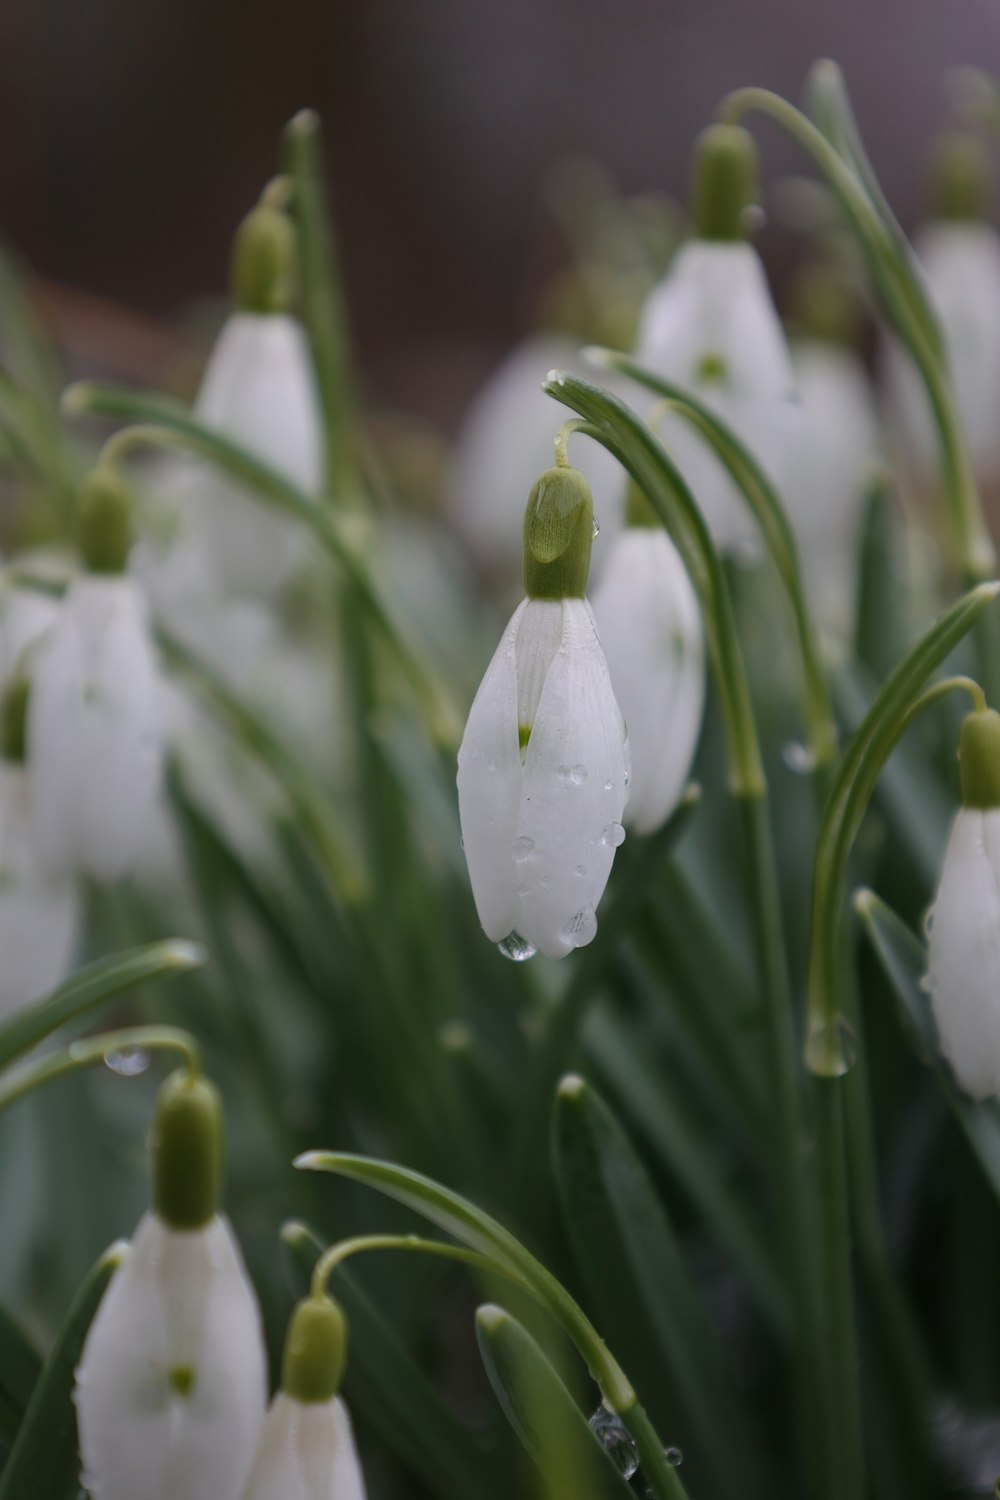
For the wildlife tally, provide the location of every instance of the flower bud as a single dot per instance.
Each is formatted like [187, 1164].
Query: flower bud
[104, 521]
[264, 257]
[315, 1350]
[558, 535]
[724, 182]
[186, 1148]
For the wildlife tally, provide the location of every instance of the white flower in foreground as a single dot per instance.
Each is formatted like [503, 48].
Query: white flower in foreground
[543, 765]
[94, 730]
[711, 327]
[964, 923]
[171, 1386]
[259, 390]
[26, 614]
[306, 1449]
[650, 628]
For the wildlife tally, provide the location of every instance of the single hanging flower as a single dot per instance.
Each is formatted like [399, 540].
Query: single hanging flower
[543, 766]
[172, 1383]
[94, 716]
[650, 628]
[39, 911]
[306, 1450]
[959, 254]
[964, 922]
[711, 326]
[259, 390]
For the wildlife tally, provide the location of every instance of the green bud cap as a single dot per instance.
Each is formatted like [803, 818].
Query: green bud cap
[14, 719]
[187, 1151]
[263, 264]
[558, 535]
[824, 306]
[979, 759]
[724, 182]
[961, 178]
[104, 521]
[315, 1350]
[638, 511]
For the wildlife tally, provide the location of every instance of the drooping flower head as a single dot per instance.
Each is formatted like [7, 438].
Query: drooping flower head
[543, 766]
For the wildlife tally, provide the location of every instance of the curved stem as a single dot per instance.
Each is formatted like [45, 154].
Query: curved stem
[95, 1049]
[363, 1244]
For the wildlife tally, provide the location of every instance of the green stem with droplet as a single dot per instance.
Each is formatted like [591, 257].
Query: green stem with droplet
[95, 1049]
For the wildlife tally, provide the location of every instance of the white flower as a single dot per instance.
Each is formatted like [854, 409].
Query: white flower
[961, 265]
[832, 453]
[258, 389]
[306, 1452]
[542, 781]
[26, 614]
[506, 439]
[39, 912]
[711, 327]
[94, 740]
[171, 1387]
[650, 628]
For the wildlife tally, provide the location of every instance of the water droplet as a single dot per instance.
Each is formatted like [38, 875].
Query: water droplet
[580, 871]
[674, 1457]
[609, 786]
[522, 890]
[128, 1062]
[929, 922]
[572, 775]
[462, 842]
[799, 758]
[597, 528]
[516, 948]
[831, 1049]
[523, 848]
[628, 772]
[616, 1440]
[613, 836]
[581, 928]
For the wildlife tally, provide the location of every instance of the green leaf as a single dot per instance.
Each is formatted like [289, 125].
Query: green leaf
[639, 1285]
[20, 1367]
[391, 1387]
[44, 1461]
[90, 988]
[904, 961]
[543, 1413]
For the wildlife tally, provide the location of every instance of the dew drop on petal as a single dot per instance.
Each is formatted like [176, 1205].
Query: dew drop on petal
[581, 928]
[578, 775]
[616, 1440]
[597, 528]
[674, 1457]
[580, 871]
[929, 922]
[516, 948]
[523, 848]
[609, 786]
[127, 1062]
[831, 1049]
[613, 836]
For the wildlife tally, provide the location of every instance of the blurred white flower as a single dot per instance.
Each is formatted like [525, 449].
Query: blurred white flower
[650, 628]
[25, 616]
[306, 1452]
[542, 781]
[39, 911]
[94, 729]
[171, 1387]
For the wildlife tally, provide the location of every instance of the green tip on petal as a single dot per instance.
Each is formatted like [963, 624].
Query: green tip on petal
[979, 760]
[724, 182]
[961, 178]
[186, 1145]
[264, 261]
[104, 521]
[14, 719]
[558, 535]
[824, 306]
[315, 1351]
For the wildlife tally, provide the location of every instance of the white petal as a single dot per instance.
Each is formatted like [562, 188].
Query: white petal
[259, 390]
[573, 793]
[964, 952]
[489, 788]
[39, 912]
[94, 730]
[179, 1302]
[27, 615]
[650, 629]
[306, 1452]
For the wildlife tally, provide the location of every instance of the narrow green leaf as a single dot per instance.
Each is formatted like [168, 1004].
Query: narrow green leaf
[882, 627]
[388, 1384]
[20, 1367]
[543, 1413]
[44, 1460]
[90, 988]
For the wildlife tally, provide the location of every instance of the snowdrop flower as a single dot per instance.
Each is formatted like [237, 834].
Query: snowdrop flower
[306, 1449]
[959, 253]
[259, 390]
[964, 923]
[650, 627]
[39, 912]
[26, 614]
[505, 441]
[94, 741]
[171, 1386]
[543, 765]
[711, 327]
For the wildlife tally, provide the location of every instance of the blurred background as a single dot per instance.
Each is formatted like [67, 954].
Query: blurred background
[136, 136]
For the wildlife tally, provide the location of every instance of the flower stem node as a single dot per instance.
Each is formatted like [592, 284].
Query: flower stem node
[264, 262]
[315, 1351]
[104, 521]
[961, 178]
[979, 758]
[724, 182]
[558, 535]
[187, 1151]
